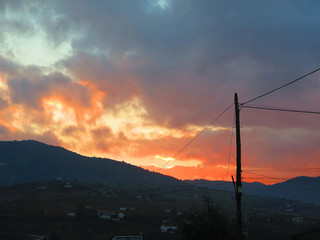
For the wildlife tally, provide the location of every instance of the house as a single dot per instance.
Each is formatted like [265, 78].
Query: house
[170, 229]
[104, 214]
[110, 215]
[71, 214]
[38, 237]
[68, 185]
[128, 237]
[298, 220]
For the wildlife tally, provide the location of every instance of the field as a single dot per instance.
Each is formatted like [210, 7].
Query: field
[50, 210]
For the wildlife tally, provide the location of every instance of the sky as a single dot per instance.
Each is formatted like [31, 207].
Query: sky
[137, 81]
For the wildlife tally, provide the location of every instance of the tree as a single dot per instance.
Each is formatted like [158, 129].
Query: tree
[54, 236]
[209, 223]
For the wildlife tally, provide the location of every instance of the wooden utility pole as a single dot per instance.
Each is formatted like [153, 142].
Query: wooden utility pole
[238, 180]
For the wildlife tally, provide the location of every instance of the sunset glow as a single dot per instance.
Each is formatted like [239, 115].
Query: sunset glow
[140, 82]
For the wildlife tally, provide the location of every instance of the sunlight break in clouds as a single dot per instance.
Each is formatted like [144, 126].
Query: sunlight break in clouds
[33, 50]
[27, 42]
[168, 159]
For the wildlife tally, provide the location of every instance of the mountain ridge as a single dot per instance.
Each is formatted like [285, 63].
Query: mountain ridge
[301, 188]
[30, 160]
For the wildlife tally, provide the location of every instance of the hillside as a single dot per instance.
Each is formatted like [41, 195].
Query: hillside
[299, 188]
[28, 161]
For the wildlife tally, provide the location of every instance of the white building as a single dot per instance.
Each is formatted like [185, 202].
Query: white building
[165, 228]
[297, 220]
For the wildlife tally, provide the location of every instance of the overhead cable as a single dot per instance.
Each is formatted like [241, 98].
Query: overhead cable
[280, 109]
[280, 179]
[229, 157]
[285, 85]
[284, 170]
[196, 136]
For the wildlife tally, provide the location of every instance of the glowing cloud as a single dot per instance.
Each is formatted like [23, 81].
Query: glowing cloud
[59, 111]
[138, 81]
[168, 159]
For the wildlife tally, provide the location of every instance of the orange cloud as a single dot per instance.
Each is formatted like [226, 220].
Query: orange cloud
[111, 112]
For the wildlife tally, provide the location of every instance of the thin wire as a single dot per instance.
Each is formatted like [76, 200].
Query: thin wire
[285, 170]
[285, 85]
[195, 137]
[288, 180]
[280, 109]
[261, 175]
[282, 179]
[230, 148]
[229, 157]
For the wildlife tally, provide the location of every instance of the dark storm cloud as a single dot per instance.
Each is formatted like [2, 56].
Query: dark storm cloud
[249, 47]
[188, 53]
[207, 31]
[278, 36]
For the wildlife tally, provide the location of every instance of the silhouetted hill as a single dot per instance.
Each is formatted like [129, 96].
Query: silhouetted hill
[300, 188]
[27, 161]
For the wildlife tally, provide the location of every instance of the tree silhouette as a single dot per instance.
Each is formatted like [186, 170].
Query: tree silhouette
[208, 223]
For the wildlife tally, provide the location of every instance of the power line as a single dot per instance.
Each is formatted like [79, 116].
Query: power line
[285, 170]
[265, 176]
[195, 137]
[242, 105]
[280, 109]
[281, 179]
[272, 182]
[230, 148]
[287, 180]
[229, 157]
[285, 85]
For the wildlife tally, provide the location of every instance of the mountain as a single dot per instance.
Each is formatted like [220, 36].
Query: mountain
[27, 161]
[299, 188]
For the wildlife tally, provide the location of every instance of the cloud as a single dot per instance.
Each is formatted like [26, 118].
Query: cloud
[108, 76]
[187, 57]
[3, 104]
[7, 67]
[280, 148]
[30, 92]
[138, 79]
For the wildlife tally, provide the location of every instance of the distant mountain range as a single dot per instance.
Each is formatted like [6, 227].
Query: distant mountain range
[302, 188]
[31, 161]
[28, 161]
